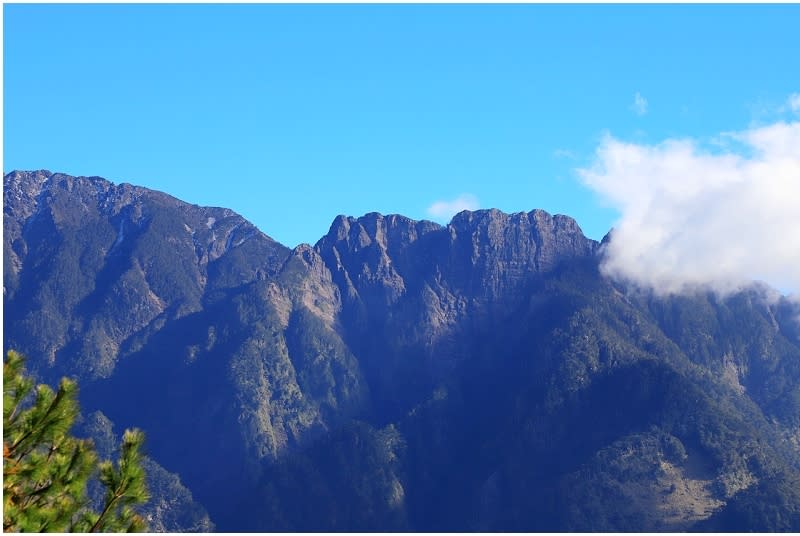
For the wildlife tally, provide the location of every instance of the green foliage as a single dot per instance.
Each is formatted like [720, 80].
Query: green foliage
[46, 470]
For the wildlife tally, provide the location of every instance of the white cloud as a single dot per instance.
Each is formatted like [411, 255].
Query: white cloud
[695, 219]
[639, 105]
[444, 210]
[794, 102]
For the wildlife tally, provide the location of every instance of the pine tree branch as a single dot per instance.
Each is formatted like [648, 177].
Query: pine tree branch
[104, 512]
[13, 415]
[43, 420]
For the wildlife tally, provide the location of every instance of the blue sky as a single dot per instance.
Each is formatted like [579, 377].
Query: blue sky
[292, 114]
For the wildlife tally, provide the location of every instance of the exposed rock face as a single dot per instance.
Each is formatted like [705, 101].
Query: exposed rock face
[429, 282]
[483, 253]
[342, 386]
[505, 249]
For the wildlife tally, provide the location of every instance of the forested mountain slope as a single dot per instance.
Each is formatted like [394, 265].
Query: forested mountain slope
[402, 375]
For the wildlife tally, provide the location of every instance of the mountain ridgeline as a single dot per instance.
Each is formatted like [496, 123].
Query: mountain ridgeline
[401, 375]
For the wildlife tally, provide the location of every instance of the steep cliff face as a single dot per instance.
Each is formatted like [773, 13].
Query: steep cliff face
[415, 291]
[400, 374]
[484, 254]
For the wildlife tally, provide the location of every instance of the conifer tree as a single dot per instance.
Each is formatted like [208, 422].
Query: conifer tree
[46, 470]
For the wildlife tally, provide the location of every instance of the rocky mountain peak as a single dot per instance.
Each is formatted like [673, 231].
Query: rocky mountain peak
[510, 247]
[26, 180]
[491, 223]
[374, 228]
[21, 190]
[379, 261]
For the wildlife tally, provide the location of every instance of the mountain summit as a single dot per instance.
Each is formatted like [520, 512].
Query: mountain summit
[400, 374]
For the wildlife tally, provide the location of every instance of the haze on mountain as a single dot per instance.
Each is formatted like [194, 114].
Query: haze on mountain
[402, 375]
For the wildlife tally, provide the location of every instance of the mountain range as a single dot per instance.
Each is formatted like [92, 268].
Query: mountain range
[400, 375]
